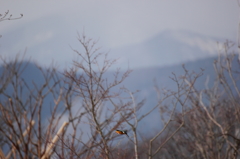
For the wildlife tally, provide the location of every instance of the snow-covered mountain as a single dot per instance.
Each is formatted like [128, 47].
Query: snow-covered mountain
[45, 43]
[169, 48]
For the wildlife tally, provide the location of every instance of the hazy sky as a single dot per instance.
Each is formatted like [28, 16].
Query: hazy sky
[114, 23]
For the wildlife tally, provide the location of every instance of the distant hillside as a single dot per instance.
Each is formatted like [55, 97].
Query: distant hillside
[142, 79]
[169, 48]
[166, 48]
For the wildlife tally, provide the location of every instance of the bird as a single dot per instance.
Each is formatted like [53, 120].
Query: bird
[122, 132]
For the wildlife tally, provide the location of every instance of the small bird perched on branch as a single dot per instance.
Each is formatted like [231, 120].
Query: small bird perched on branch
[122, 132]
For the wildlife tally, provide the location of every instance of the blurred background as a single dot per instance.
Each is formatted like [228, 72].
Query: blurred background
[152, 38]
[140, 34]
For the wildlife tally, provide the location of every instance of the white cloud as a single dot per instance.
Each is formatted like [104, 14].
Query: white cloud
[43, 36]
[205, 44]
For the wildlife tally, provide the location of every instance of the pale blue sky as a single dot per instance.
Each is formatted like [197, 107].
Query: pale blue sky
[115, 23]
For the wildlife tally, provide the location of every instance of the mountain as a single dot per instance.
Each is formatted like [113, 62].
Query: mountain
[143, 80]
[139, 79]
[153, 59]
[45, 43]
[169, 48]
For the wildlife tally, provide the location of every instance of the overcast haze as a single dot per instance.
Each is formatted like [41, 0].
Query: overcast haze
[116, 24]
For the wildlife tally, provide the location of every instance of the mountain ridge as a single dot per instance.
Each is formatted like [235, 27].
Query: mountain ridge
[169, 48]
[143, 80]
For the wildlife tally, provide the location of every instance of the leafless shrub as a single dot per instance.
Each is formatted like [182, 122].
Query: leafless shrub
[74, 114]
[29, 121]
[211, 128]
[99, 99]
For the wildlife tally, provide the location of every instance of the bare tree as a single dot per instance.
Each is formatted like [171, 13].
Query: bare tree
[179, 104]
[28, 120]
[99, 96]
[75, 114]
[211, 128]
